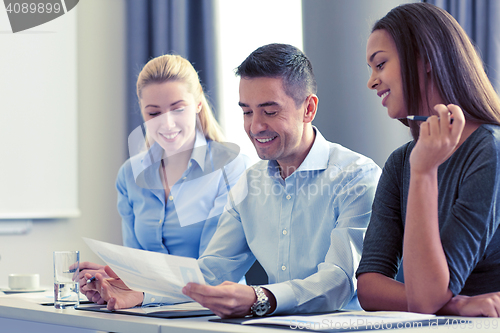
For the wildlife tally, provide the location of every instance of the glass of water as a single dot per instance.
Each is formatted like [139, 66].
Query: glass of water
[66, 290]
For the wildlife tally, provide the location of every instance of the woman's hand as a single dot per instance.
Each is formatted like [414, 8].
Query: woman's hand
[485, 305]
[87, 270]
[438, 139]
[114, 291]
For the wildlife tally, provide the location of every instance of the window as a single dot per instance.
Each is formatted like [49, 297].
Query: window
[243, 27]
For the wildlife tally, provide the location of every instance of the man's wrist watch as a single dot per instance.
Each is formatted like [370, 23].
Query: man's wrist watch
[262, 305]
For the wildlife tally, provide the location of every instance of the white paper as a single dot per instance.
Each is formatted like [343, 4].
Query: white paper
[189, 306]
[354, 320]
[152, 272]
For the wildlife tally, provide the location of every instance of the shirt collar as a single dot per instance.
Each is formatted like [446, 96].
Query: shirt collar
[200, 150]
[318, 156]
[316, 159]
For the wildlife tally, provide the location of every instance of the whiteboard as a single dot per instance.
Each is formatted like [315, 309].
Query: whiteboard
[38, 120]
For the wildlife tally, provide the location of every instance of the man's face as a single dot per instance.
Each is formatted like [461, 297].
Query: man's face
[272, 121]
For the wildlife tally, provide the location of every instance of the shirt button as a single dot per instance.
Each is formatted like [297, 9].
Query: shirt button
[284, 232]
[283, 267]
[160, 221]
[190, 164]
[288, 197]
[171, 198]
[184, 178]
[153, 299]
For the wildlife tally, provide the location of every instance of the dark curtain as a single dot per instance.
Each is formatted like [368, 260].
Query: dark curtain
[183, 27]
[481, 21]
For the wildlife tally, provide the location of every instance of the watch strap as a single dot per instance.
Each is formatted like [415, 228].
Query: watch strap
[261, 305]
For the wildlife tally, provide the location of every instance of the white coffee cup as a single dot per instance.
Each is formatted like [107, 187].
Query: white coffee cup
[24, 281]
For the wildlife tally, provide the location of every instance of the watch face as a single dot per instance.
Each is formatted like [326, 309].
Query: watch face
[261, 309]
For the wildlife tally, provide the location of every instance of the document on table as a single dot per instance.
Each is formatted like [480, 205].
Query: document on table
[152, 272]
[352, 321]
[179, 310]
[44, 297]
[38, 297]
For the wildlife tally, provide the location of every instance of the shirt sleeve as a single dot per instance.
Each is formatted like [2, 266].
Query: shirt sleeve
[125, 209]
[227, 257]
[383, 244]
[473, 221]
[333, 286]
[235, 263]
[231, 173]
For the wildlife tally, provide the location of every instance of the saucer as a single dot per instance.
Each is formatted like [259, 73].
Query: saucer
[16, 291]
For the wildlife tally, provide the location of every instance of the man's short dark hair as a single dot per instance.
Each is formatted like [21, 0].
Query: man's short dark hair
[281, 61]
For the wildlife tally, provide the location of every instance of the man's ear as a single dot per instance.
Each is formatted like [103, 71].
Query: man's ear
[310, 108]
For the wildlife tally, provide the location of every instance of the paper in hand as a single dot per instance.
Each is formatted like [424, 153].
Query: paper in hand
[152, 272]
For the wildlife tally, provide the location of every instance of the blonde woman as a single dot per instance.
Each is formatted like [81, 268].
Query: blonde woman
[171, 194]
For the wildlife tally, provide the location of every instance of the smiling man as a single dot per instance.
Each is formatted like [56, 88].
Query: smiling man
[307, 206]
[304, 211]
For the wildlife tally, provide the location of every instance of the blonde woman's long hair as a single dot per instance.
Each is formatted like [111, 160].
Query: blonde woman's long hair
[171, 67]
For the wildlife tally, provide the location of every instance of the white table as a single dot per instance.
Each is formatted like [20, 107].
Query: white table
[21, 315]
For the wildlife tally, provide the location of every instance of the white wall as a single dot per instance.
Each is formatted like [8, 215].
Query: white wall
[101, 148]
[38, 120]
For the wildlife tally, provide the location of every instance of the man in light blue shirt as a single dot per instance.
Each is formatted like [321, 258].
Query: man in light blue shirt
[302, 213]
[306, 208]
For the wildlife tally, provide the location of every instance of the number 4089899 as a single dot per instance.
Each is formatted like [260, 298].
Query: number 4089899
[33, 8]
